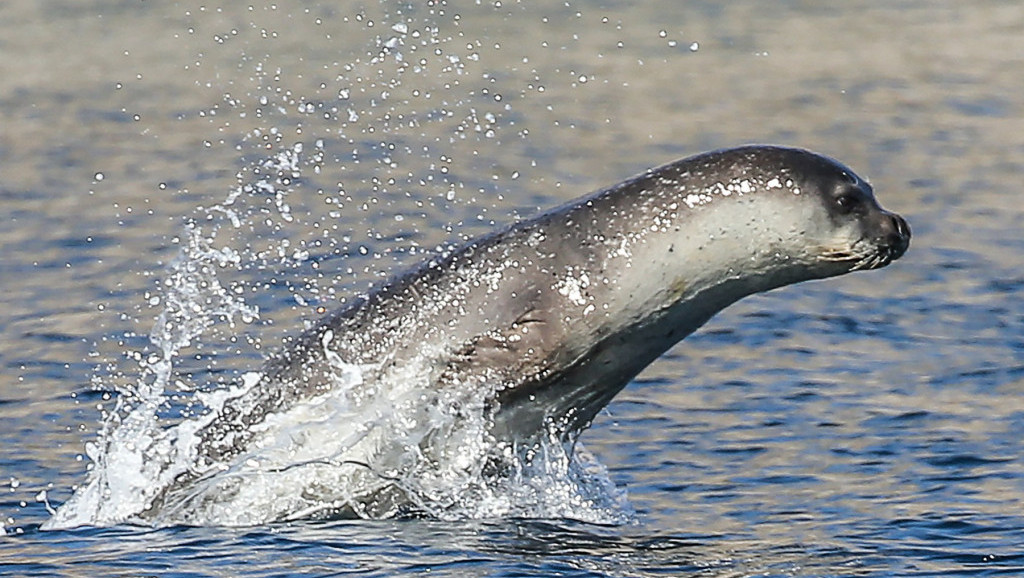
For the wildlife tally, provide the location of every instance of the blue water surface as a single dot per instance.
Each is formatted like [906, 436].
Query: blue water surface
[869, 425]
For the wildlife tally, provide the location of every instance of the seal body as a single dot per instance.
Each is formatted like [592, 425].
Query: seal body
[449, 389]
[554, 315]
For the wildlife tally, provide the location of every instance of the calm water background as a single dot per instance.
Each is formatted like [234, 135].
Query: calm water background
[864, 426]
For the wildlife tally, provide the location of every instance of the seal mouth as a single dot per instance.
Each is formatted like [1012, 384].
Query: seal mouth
[882, 256]
[864, 256]
[875, 258]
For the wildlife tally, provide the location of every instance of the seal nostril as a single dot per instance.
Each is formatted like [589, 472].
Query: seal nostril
[899, 237]
[902, 227]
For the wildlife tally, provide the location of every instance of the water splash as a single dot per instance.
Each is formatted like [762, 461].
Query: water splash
[135, 456]
[367, 446]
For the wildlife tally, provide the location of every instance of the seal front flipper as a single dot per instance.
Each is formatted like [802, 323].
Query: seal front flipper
[531, 395]
[563, 398]
[513, 365]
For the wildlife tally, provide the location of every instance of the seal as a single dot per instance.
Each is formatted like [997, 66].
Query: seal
[559, 312]
[552, 316]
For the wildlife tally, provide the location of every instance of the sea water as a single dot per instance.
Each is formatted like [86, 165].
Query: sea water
[867, 425]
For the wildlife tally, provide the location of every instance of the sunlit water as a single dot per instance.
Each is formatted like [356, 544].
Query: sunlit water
[868, 425]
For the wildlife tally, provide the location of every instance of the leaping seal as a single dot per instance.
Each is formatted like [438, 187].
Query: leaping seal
[554, 315]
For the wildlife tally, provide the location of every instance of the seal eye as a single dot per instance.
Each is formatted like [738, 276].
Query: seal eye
[848, 202]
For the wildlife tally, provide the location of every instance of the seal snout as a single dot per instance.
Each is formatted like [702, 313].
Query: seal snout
[888, 241]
